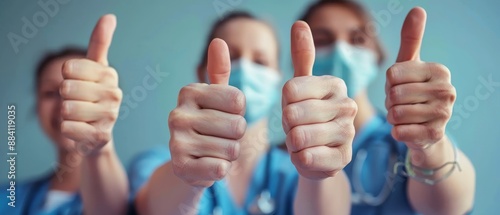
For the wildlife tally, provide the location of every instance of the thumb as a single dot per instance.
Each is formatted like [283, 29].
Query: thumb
[218, 62]
[101, 39]
[303, 51]
[412, 34]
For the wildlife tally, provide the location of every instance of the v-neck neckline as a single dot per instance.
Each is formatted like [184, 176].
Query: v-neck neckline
[254, 186]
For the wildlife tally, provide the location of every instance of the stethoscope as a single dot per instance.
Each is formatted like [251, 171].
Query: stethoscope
[263, 203]
[359, 195]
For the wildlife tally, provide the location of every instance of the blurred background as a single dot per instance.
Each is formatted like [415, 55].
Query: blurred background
[168, 37]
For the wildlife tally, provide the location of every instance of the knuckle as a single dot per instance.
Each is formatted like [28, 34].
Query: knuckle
[239, 126]
[177, 119]
[233, 150]
[305, 161]
[65, 88]
[178, 168]
[290, 114]
[65, 109]
[435, 134]
[350, 131]
[65, 128]
[345, 155]
[397, 114]
[440, 70]
[337, 84]
[394, 94]
[298, 138]
[114, 94]
[175, 146]
[237, 100]
[397, 133]
[393, 73]
[290, 89]
[101, 135]
[350, 107]
[110, 114]
[188, 91]
[67, 67]
[221, 169]
[110, 73]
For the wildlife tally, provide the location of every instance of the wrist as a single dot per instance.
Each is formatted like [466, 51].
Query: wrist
[104, 151]
[433, 156]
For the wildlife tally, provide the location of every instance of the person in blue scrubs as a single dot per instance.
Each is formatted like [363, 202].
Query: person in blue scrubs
[221, 161]
[73, 87]
[411, 137]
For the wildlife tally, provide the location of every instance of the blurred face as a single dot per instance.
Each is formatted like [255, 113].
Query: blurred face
[332, 23]
[252, 40]
[49, 103]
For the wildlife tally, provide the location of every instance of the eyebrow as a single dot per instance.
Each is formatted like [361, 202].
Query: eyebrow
[322, 30]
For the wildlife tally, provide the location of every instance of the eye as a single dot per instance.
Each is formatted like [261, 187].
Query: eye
[323, 38]
[358, 38]
[261, 61]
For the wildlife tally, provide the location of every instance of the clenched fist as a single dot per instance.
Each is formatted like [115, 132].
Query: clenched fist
[318, 115]
[207, 123]
[90, 93]
[419, 95]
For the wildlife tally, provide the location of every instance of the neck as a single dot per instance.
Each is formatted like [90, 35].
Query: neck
[365, 110]
[252, 146]
[67, 171]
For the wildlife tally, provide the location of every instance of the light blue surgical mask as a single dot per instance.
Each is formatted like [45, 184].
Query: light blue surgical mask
[260, 86]
[357, 66]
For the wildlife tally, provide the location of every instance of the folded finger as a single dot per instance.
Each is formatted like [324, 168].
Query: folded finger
[411, 93]
[413, 114]
[86, 111]
[331, 133]
[88, 70]
[80, 90]
[307, 112]
[322, 158]
[312, 87]
[205, 169]
[219, 124]
[208, 146]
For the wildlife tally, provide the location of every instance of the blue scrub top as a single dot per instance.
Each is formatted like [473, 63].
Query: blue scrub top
[375, 169]
[30, 198]
[283, 180]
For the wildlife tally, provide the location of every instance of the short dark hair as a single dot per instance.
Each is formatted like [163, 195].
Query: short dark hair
[54, 55]
[358, 10]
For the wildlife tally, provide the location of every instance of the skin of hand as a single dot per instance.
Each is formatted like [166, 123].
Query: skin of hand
[419, 95]
[207, 123]
[317, 114]
[419, 100]
[90, 92]
[90, 103]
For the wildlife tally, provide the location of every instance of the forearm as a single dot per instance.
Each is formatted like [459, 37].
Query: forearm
[327, 196]
[453, 195]
[165, 193]
[104, 187]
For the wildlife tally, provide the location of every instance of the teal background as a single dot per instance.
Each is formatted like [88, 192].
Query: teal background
[169, 36]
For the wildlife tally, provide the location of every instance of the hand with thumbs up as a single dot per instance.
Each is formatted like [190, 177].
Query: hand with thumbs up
[317, 114]
[419, 95]
[207, 123]
[90, 93]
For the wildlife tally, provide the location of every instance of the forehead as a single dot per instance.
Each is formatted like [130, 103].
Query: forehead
[335, 17]
[248, 34]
